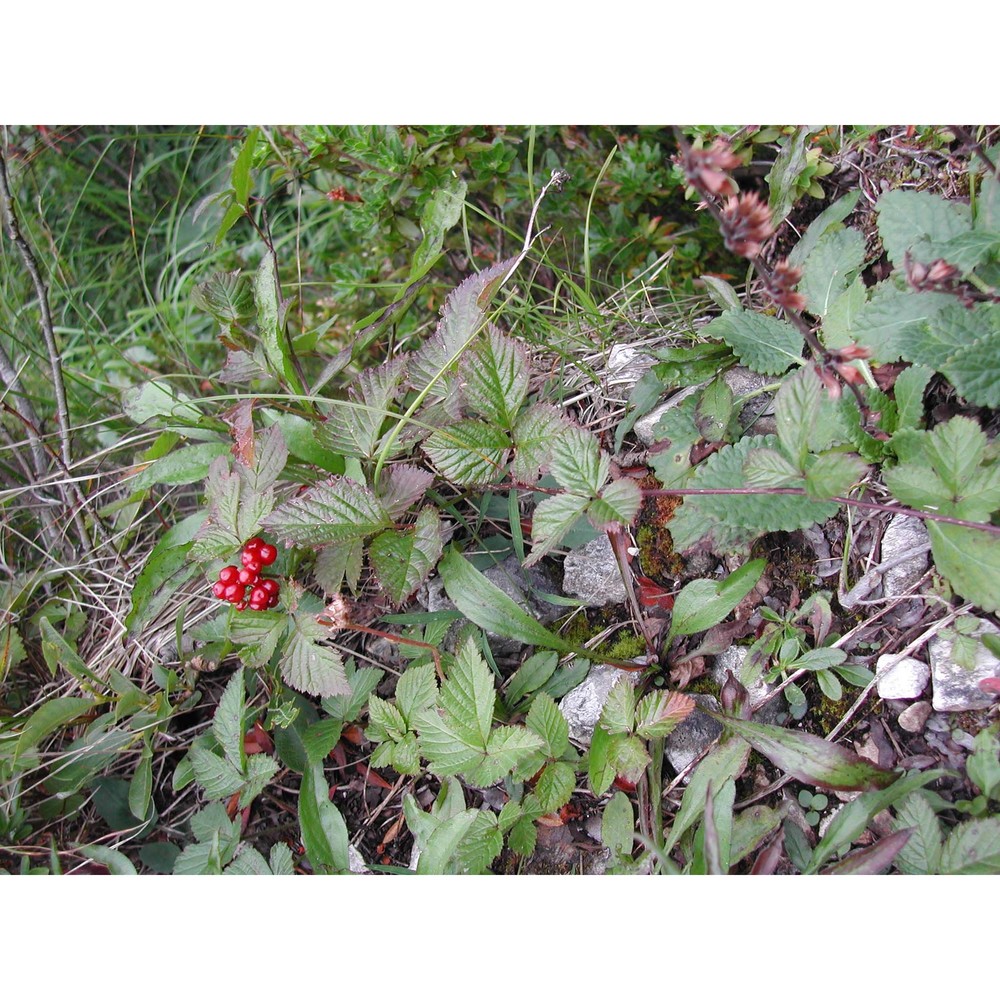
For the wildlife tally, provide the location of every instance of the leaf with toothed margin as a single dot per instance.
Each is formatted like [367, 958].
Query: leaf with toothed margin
[496, 378]
[618, 503]
[355, 424]
[578, 463]
[403, 559]
[338, 510]
[307, 665]
[469, 452]
[552, 519]
[402, 486]
[535, 433]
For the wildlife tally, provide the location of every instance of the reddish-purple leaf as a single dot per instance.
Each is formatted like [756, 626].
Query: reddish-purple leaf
[872, 860]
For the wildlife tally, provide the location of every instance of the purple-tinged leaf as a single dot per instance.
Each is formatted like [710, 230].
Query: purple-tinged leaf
[338, 510]
[402, 486]
[872, 860]
[403, 559]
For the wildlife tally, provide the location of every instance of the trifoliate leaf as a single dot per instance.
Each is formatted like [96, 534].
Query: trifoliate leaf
[496, 378]
[763, 343]
[618, 503]
[905, 218]
[507, 747]
[830, 268]
[403, 559]
[578, 464]
[338, 510]
[469, 452]
[552, 519]
[444, 744]
[535, 433]
[969, 560]
[309, 666]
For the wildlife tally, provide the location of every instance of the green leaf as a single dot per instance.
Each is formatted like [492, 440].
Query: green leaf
[116, 862]
[969, 560]
[355, 424]
[618, 503]
[227, 725]
[439, 854]
[385, 721]
[157, 398]
[324, 833]
[260, 770]
[480, 846]
[545, 719]
[270, 456]
[750, 828]
[140, 788]
[535, 433]
[249, 862]
[270, 323]
[874, 860]
[618, 714]
[552, 519]
[809, 758]
[47, 718]
[489, 607]
[796, 409]
[676, 433]
[731, 520]
[555, 786]
[577, 462]
[721, 292]
[839, 321]
[787, 169]
[227, 297]
[339, 510]
[187, 465]
[214, 773]
[768, 469]
[905, 218]
[469, 452]
[833, 474]
[530, 676]
[973, 848]
[403, 560]
[704, 603]
[966, 250]
[828, 220]
[416, 690]
[983, 765]
[922, 853]
[763, 343]
[893, 312]
[495, 378]
[660, 712]
[618, 826]
[441, 211]
[955, 449]
[628, 756]
[909, 394]
[523, 837]
[829, 684]
[309, 666]
[468, 695]
[600, 771]
[830, 268]
[725, 761]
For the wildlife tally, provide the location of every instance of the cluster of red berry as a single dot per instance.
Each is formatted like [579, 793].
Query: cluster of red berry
[246, 588]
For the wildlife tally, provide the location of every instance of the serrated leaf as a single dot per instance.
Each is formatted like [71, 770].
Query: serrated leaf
[496, 378]
[227, 725]
[337, 562]
[983, 765]
[796, 408]
[385, 721]
[403, 559]
[402, 486]
[676, 433]
[355, 424]
[628, 756]
[445, 746]
[600, 771]
[507, 747]
[416, 690]
[809, 758]
[830, 268]
[261, 768]
[226, 297]
[763, 343]
[545, 719]
[442, 210]
[974, 370]
[618, 503]
[829, 219]
[249, 861]
[730, 520]
[271, 454]
[618, 714]
[921, 854]
[577, 463]
[535, 433]
[973, 848]
[841, 317]
[966, 250]
[833, 474]
[270, 323]
[214, 773]
[618, 826]
[555, 786]
[256, 636]
[468, 695]
[469, 452]
[490, 608]
[704, 603]
[405, 757]
[905, 218]
[969, 560]
[338, 510]
[892, 313]
[660, 712]
[480, 846]
[769, 469]
[324, 833]
[309, 666]
[909, 394]
[552, 519]
[725, 761]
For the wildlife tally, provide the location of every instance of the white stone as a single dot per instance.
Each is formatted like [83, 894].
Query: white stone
[914, 717]
[583, 705]
[956, 685]
[901, 676]
[903, 534]
[592, 574]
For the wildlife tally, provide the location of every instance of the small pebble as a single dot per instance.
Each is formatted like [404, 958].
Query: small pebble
[914, 718]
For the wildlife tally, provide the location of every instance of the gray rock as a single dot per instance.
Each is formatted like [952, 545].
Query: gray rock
[591, 573]
[956, 684]
[694, 735]
[903, 535]
[914, 717]
[901, 676]
[645, 426]
[356, 862]
[583, 705]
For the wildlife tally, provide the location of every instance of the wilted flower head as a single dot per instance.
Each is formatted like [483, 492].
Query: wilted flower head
[781, 287]
[337, 614]
[706, 170]
[746, 224]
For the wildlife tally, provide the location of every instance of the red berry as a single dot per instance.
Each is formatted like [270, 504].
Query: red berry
[270, 585]
[242, 606]
[253, 544]
[233, 592]
[251, 562]
[247, 577]
[219, 589]
[259, 596]
[228, 574]
[273, 601]
[267, 554]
